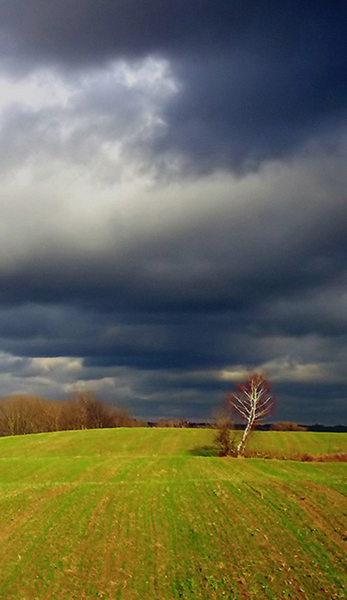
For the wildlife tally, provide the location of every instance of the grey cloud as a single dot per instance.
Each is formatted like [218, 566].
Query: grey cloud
[256, 82]
[243, 255]
[100, 110]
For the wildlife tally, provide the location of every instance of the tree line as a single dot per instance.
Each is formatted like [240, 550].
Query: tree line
[23, 414]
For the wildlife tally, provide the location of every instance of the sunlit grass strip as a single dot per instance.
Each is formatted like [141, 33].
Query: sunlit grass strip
[128, 443]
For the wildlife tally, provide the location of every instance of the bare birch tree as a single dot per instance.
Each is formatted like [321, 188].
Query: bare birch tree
[254, 401]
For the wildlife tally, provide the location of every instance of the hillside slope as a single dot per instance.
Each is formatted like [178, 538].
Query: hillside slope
[142, 513]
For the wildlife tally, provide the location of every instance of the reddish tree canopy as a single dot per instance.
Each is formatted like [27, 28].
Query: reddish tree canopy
[254, 396]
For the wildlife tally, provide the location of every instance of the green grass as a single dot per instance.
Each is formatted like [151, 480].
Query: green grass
[298, 442]
[142, 513]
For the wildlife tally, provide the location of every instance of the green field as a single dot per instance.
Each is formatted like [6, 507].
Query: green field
[151, 513]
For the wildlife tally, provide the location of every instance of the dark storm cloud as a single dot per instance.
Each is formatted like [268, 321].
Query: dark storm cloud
[313, 403]
[85, 30]
[178, 340]
[323, 311]
[240, 111]
[173, 363]
[256, 81]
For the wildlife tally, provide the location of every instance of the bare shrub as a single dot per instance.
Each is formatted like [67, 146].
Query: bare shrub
[225, 438]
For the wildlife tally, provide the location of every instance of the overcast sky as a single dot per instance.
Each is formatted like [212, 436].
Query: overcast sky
[173, 202]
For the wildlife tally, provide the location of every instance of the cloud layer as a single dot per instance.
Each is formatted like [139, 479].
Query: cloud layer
[173, 202]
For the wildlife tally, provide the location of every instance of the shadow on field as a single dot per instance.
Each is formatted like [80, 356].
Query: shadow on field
[204, 451]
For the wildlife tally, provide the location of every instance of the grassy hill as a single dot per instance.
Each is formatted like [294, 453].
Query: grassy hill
[143, 513]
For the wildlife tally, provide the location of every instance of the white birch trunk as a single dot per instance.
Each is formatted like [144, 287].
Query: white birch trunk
[241, 446]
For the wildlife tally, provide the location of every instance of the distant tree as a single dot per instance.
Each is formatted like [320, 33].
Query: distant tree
[22, 414]
[52, 414]
[3, 420]
[137, 423]
[85, 411]
[172, 422]
[287, 426]
[120, 417]
[254, 401]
